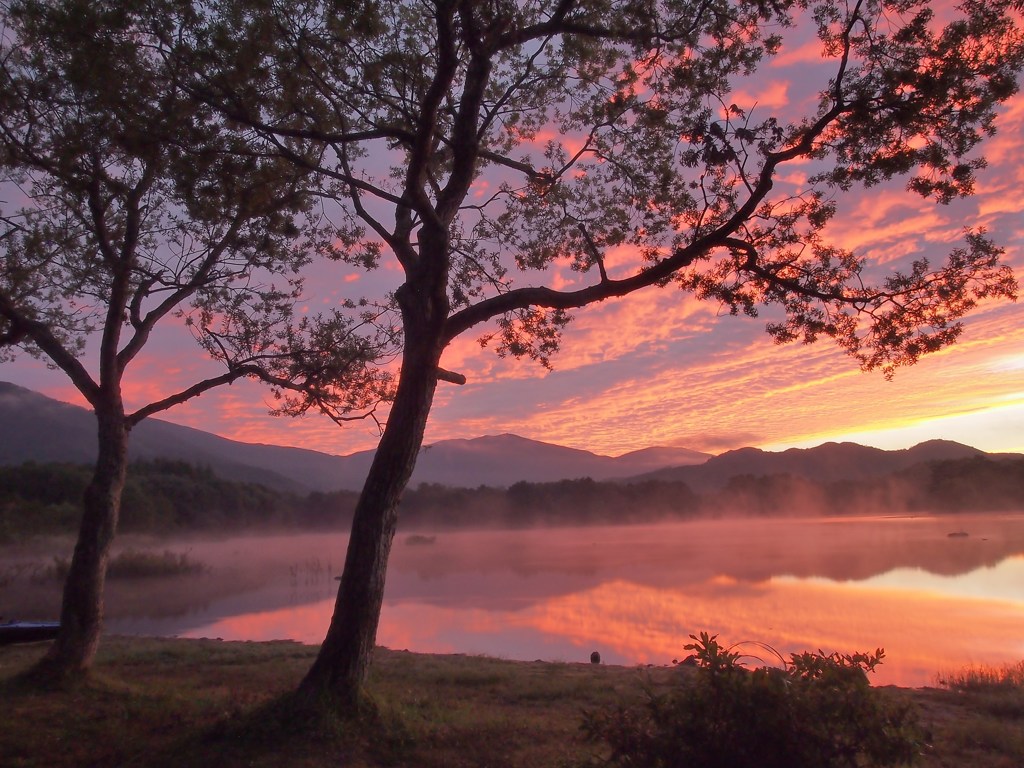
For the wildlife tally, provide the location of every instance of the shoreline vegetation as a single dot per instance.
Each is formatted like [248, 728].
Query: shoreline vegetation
[164, 702]
[171, 702]
[163, 496]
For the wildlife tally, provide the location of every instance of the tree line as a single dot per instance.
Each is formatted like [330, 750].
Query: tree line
[160, 496]
[977, 484]
[163, 496]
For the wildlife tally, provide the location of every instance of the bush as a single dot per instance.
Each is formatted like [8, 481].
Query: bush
[816, 711]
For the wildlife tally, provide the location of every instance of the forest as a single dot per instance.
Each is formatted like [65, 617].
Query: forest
[163, 496]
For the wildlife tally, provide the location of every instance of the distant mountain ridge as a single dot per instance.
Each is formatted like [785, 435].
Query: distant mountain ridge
[34, 427]
[829, 462]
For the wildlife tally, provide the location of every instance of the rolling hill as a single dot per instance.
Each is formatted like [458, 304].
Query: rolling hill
[825, 463]
[34, 427]
[37, 428]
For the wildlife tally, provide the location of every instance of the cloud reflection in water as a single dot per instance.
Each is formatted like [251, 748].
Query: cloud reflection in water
[635, 594]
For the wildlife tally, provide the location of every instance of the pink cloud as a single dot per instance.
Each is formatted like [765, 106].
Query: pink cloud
[808, 52]
[773, 95]
[759, 389]
[889, 223]
[481, 188]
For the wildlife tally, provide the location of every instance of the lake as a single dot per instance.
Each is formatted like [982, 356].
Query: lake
[933, 601]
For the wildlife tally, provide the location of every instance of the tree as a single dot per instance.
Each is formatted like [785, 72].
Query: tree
[607, 124]
[133, 205]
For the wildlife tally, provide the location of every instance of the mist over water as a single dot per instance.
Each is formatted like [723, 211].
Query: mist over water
[934, 602]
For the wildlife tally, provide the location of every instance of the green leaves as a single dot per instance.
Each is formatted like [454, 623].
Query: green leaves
[815, 711]
[139, 200]
[528, 138]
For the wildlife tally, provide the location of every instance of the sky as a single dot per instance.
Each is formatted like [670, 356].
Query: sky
[659, 368]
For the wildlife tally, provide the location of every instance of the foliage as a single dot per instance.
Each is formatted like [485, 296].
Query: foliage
[171, 126]
[137, 205]
[977, 483]
[515, 161]
[564, 502]
[159, 496]
[594, 126]
[163, 495]
[816, 711]
[131, 205]
[173, 702]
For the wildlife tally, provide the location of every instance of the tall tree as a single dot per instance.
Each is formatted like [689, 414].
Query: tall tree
[589, 125]
[132, 204]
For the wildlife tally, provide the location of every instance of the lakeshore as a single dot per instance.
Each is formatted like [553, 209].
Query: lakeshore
[162, 702]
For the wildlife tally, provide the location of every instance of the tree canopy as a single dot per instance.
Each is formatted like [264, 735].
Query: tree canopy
[128, 202]
[605, 124]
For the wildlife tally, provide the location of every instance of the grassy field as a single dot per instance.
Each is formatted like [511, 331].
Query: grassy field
[168, 702]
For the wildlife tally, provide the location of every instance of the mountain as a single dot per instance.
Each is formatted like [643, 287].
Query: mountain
[38, 428]
[824, 463]
[495, 459]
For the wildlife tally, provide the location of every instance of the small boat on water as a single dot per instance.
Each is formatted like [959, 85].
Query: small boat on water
[27, 631]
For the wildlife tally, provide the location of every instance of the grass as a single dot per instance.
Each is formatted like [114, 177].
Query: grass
[982, 678]
[169, 702]
[992, 699]
[997, 691]
[138, 564]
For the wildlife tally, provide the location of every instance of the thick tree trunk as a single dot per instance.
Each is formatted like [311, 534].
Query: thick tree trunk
[340, 669]
[81, 619]
[339, 672]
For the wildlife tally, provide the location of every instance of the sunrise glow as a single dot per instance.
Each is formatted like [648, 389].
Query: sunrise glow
[661, 368]
[936, 604]
[925, 630]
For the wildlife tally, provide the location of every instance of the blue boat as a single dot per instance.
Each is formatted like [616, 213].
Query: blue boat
[27, 631]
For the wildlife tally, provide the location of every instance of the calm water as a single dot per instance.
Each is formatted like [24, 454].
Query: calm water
[933, 602]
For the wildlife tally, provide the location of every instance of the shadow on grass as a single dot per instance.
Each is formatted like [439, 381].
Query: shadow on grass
[282, 731]
[44, 678]
[158, 707]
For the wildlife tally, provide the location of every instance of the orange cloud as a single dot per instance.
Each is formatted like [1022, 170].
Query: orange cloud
[756, 388]
[661, 368]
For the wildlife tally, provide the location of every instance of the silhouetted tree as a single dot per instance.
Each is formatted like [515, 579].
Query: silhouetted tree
[129, 203]
[605, 124]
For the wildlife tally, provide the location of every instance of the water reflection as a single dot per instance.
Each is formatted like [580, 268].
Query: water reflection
[934, 602]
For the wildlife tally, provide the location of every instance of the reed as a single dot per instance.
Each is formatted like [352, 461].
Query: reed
[140, 564]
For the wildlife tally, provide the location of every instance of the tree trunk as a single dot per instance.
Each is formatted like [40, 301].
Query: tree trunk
[339, 672]
[81, 619]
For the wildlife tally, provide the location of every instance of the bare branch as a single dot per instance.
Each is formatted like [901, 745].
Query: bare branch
[450, 376]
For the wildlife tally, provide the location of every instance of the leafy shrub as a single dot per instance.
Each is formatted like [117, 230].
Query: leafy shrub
[816, 711]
